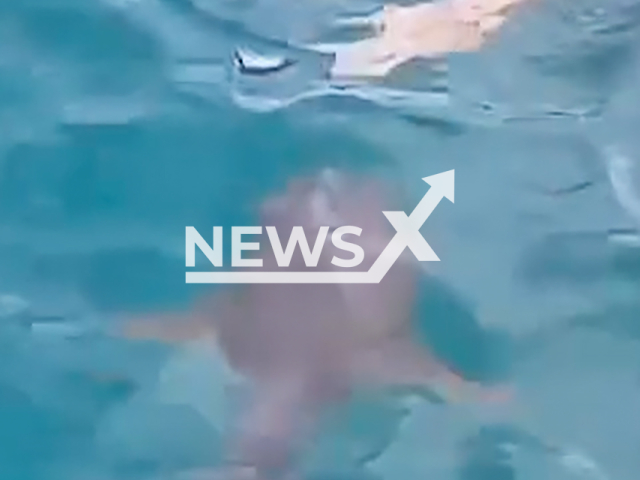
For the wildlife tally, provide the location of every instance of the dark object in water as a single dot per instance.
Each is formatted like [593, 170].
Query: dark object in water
[450, 327]
[441, 125]
[578, 187]
[259, 65]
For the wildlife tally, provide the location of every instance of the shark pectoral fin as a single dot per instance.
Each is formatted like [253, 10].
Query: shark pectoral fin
[402, 365]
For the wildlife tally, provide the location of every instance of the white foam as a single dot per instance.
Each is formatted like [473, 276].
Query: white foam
[581, 464]
[255, 61]
[624, 176]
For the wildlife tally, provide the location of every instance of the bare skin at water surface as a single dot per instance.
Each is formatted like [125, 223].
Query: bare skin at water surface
[307, 347]
[425, 30]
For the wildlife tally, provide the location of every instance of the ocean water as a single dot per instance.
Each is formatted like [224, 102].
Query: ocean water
[122, 121]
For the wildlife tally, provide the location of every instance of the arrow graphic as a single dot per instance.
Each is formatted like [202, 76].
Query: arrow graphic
[407, 236]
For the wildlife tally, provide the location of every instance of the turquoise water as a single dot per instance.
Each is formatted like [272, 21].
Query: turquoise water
[123, 121]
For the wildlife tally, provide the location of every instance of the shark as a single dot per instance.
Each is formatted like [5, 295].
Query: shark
[307, 347]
